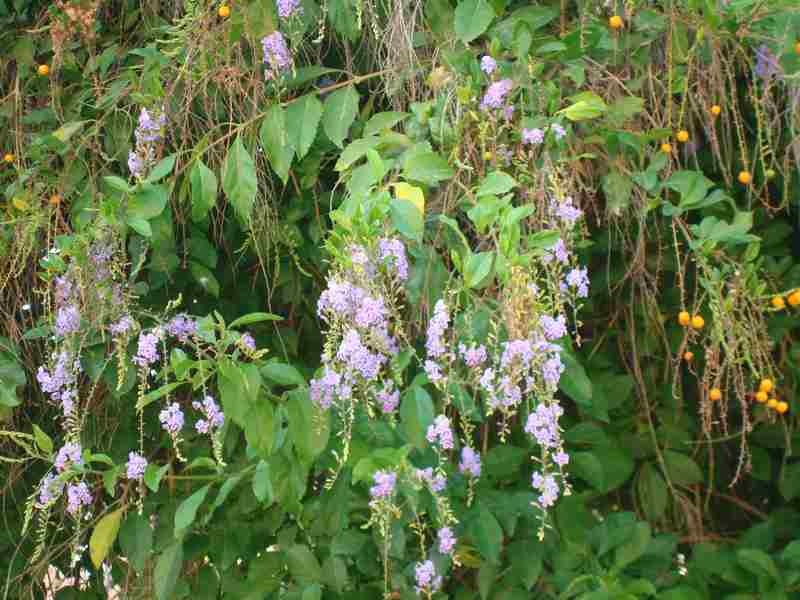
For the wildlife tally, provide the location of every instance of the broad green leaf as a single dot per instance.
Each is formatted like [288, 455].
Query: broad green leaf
[282, 374]
[309, 427]
[356, 150]
[204, 277]
[104, 536]
[681, 469]
[162, 169]
[42, 440]
[302, 121]
[416, 414]
[634, 547]
[140, 226]
[427, 167]
[303, 565]
[204, 190]
[312, 592]
[259, 427]
[758, 563]
[66, 131]
[496, 183]
[473, 17]
[117, 183]
[256, 317]
[340, 110]
[147, 202]
[239, 384]
[477, 269]
[136, 539]
[276, 141]
[168, 568]
[382, 121]
[789, 482]
[153, 476]
[693, 187]
[187, 511]
[408, 214]
[652, 492]
[586, 105]
[574, 381]
[484, 529]
[262, 483]
[239, 179]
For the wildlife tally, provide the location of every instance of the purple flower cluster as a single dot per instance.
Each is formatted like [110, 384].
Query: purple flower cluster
[566, 211]
[553, 328]
[470, 462]
[358, 358]
[50, 489]
[248, 342]
[147, 351]
[548, 486]
[426, 577]
[276, 55]
[136, 466]
[767, 64]
[61, 383]
[437, 483]
[496, 94]
[474, 356]
[171, 418]
[434, 344]
[182, 327]
[121, 327]
[488, 64]
[578, 279]
[69, 454]
[78, 496]
[433, 371]
[385, 482]
[327, 388]
[534, 136]
[68, 320]
[214, 418]
[447, 541]
[394, 251]
[542, 425]
[289, 8]
[557, 252]
[440, 432]
[389, 398]
[149, 132]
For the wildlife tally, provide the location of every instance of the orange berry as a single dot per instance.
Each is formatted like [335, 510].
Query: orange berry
[761, 397]
[688, 356]
[782, 407]
[684, 318]
[8, 157]
[715, 394]
[794, 298]
[43, 70]
[716, 110]
[683, 136]
[745, 177]
[778, 303]
[766, 385]
[797, 48]
[224, 11]
[666, 148]
[54, 200]
[615, 22]
[698, 322]
[772, 403]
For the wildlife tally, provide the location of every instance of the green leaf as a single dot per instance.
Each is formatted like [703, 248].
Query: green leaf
[416, 414]
[104, 536]
[239, 385]
[162, 169]
[302, 121]
[153, 475]
[262, 483]
[303, 565]
[758, 563]
[693, 187]
[42, 440]
[168, 568]
[204, 277]
[147, 202]
[789, 483]
[256, 317]
[151, 397]
[309, 426]
[586, 105]
[282, 374]
[617, 188]
[187, 511]
[652, 492]
[473, 17]
[339, 112]
[681, 469]
[117, 183]
[239, 180]
[277, 145]
[204, 190]
[407, 218]
[312, 592]
[632, 549]
[574, 381]
[383, 121]
[259, 427]
[484, 529]
[477, 269]
[136, 539]
[427, 167]
[140, 226]
[67, 130]
[355, 150]
[496, 183]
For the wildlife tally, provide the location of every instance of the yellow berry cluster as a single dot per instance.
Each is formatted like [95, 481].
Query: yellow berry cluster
[778, 303]
[685, 319]
[762, 397]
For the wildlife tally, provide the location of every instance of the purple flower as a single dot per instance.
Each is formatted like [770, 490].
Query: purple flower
[436, 328]
[542, 424]
[360, 259]
[78, 496]
[276, 55]
[532, 136]
[552, 370]
[389, 398]
[447, 541]
[487, 379]
[50, 489]
[384, 484]
[121, 327]
[171, 418]
[488, 64]
[147, 351]
[68, 455]
[68, 320]
[358, 357]
[63, 289]
[135, 164]
[433, 371]
[288, 8]
[371, 312]
[323, 391]
[248, 342]
[470, 462]
[508, 112]
[767, 65]
[441, 433]
[561, 458]
[558, 131]
[579, 279]
[149, 129]
[214, 418]
[136, 466]
[548, 486]
[181, 327]
[558, 252]
[554, 328]
[395, 251]
[61, 383]
[521, 350]
[426, 578]
[496, 94]
[437, 483]
[566, 211]
[474, 356]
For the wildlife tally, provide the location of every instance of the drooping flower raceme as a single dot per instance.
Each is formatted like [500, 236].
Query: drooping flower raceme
[426, 578]
[214, 418]
[149, 132]
[440, 433]
[61, 383]
[68, 320]
[78, 496]
[385, 482]
[277, 58]
[470, 462]
[171, 418]
[50, 489]
[488, 64]
[68, 455]
[496, 94]
[437, 483]
[147, 352]
[182, 327]
[289, 8]
[447, 541]
[136, 466]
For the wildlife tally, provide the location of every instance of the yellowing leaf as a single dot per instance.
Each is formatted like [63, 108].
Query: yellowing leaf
[103, 537]
[412, 193]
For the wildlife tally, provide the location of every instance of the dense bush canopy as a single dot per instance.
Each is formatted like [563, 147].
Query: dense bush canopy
[399, 299]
